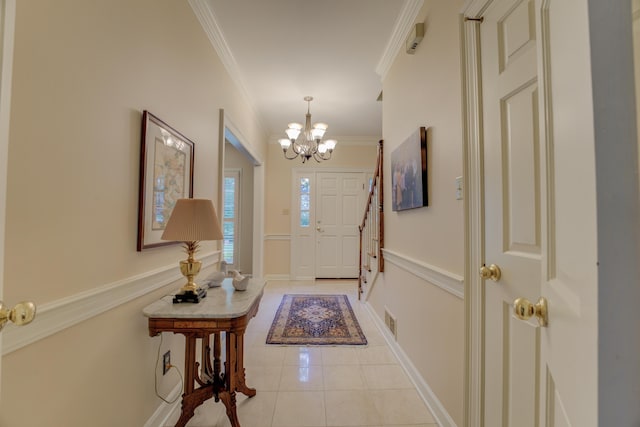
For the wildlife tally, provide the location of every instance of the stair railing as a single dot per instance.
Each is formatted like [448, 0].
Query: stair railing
[372, 229]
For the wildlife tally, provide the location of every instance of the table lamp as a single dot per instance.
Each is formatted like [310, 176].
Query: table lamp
[192, 221]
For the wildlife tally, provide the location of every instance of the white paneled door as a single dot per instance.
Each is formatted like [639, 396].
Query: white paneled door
[534, 64]
[338, 213]
[7, 25]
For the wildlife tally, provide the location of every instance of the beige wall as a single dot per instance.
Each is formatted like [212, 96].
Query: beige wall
[278, 194]
[83, 72]
[424, 89]
[235, 160]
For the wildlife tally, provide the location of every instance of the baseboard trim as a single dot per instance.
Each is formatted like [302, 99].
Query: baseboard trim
[277, 277]
[430, 399]
[52, 317]
[444, 279]
[164, 411]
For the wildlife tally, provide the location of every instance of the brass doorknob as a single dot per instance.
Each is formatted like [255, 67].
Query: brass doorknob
[492, 272]
[524, 309]
[22, 314]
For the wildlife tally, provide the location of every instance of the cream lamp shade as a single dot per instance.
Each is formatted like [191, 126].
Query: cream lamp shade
[193, 220]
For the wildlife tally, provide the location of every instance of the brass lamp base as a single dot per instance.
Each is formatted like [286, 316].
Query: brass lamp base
[190, 292]
[190, 296]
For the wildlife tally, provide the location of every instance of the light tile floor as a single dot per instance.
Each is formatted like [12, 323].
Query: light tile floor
[318, 386]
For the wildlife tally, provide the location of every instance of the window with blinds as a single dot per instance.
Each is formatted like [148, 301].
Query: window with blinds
[230, 216]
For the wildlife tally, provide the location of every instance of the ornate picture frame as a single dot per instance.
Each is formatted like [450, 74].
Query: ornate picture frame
[166, 175]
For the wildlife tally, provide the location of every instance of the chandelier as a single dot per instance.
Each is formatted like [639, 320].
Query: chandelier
[310, 143]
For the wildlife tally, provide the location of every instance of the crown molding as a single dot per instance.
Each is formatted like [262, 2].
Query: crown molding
[209, 22]
[405, 21]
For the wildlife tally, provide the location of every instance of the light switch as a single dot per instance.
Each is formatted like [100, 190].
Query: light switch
[285, 211]
[459, 188]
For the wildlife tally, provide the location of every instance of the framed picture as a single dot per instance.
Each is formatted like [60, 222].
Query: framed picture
[166, 175]
[409, 172]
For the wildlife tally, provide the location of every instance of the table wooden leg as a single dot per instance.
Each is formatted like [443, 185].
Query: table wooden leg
[206, 374]
[191, 401]
[216, 354]
[216, 361]
[229, 400]
[230, 364]
[190, 367]
[241, 385]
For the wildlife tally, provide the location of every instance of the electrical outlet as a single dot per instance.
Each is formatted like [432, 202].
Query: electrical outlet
[166, 362]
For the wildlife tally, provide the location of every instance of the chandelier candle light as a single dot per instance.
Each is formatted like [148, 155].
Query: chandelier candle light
[310, 144]
[191, 221]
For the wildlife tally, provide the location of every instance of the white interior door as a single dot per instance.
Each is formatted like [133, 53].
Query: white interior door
[512, 211]
[538, 152]
[7, 23]
[338, 213]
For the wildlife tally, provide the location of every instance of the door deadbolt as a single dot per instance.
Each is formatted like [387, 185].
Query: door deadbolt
[524, 310]
[492, 272]
[23, 313]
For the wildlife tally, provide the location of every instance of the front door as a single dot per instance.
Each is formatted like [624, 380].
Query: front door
[339, 212]
[538, 152]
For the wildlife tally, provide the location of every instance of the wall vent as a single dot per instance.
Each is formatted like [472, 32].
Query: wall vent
[414, 38]
[391, 322]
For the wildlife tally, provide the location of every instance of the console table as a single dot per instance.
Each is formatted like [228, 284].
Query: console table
[223, 310]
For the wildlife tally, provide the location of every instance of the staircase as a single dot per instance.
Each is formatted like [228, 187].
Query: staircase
[372, 233]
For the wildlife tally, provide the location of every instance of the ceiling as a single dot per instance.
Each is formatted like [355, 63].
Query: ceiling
[280, 51]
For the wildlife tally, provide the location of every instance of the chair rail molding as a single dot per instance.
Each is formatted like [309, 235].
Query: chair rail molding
[57, 315]
[276, 236]
[450, 282]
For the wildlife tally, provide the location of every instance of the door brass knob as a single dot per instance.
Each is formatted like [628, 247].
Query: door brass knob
[524, 309]
[492, 272]
[22, 314]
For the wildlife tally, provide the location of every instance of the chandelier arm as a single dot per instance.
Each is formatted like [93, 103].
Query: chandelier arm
[296, 154]
[320, 156]
[296, 148]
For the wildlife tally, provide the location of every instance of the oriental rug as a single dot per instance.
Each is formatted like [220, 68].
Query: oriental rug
[315, 320]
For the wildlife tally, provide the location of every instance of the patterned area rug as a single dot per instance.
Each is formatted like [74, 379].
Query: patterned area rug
[315, 320]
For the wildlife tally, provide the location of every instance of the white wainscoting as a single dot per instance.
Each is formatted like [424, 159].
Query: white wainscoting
[55, 316]
[277, 237]
[436, 407]
[446, 280]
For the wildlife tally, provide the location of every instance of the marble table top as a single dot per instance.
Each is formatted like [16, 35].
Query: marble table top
[221, 302]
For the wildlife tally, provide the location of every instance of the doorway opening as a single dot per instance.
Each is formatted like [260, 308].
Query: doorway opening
[241, 200]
